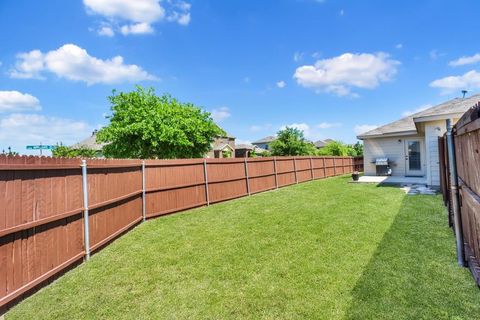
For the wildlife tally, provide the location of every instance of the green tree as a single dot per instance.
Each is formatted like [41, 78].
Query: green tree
[335, 148]
[358, 148]
[144, 125]
[69, 152]
[291, 142]
[10, 152]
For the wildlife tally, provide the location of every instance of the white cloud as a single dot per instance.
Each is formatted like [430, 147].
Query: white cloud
[106, 31]
[435, 54]
[184, 19]
[181, 18]
[312, 132]
[138, 28]
[362, 128]
[399, 46]
[339, 74]
[298, 56]
[14, 101]
[308, 132]
[220, 114]
[74, 63]
[137, 16]
[281, 84]
[421, 108]
[263, 127]
[328, 125]
[19, 130]
[465, 60]
[131, 10]
[469, 80]
[28, 65]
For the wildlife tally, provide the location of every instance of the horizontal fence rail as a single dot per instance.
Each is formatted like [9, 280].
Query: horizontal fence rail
[53, 213]
[466, 137]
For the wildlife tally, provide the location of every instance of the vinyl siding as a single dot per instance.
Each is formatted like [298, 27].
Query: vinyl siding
[386, 147]
[431, 141]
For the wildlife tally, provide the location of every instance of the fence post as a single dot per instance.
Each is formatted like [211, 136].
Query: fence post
[246, 175]
[324, 168]
[334, 166]
[311, 168]
[454, 191]
[144, 209]
[275, 171]
[206, 181]
[295, 169]
[86, 227]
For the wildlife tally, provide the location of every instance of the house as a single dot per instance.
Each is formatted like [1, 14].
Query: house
[322, 143]
[90, 143]
[222, 147]
[411, 143]
[264, 143]
[246, 150]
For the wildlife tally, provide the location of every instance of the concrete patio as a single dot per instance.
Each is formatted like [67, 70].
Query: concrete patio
[392, 180]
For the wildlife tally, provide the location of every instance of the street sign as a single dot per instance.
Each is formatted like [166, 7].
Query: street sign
[40, 147]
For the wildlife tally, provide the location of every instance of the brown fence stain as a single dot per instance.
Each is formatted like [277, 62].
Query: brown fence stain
[41, 202]
[466, 134]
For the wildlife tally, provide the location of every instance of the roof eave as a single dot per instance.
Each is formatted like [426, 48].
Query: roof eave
[388, 135]
[438, 117]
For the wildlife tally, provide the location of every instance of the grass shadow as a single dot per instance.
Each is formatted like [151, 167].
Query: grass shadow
[413, 274]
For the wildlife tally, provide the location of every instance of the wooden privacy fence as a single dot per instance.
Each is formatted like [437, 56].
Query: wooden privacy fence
[52, 214]
[466, 141]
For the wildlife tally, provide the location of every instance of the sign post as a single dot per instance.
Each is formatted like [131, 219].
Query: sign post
[40, 147]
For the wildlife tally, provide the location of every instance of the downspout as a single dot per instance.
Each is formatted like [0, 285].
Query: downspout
[457, 221]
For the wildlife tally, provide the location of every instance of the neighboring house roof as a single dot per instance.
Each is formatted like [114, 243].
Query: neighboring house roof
[90, 143]
[265, 140]
[452, 108]
[249, 147]
[226, 135]
[244, 146]
[322, 143]
[222, 147]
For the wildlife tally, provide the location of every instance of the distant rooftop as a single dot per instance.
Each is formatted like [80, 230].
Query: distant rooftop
[267, 139]
[322, 143]
[90, 143]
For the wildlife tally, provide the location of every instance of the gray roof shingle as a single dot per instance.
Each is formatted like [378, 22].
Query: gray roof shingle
[90, 143]
[266, 139]
[407, 124]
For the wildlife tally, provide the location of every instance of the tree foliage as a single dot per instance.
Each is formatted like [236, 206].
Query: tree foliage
[358, 147]
[338, 148]
[291, 142]
[144, 125]
[69, 152]
[9, 152]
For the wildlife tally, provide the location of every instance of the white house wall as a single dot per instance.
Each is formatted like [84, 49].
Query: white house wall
[391, 148]
[433, 130]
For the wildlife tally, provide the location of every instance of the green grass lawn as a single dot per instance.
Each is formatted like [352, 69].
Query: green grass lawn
[326, 249]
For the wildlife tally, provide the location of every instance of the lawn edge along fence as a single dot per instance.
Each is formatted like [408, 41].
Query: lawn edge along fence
[459, 152]
[55, 211]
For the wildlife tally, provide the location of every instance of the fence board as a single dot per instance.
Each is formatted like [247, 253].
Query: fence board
[466, 136]
[41, 202]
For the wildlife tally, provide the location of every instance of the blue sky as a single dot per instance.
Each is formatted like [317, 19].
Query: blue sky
[332, 67]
